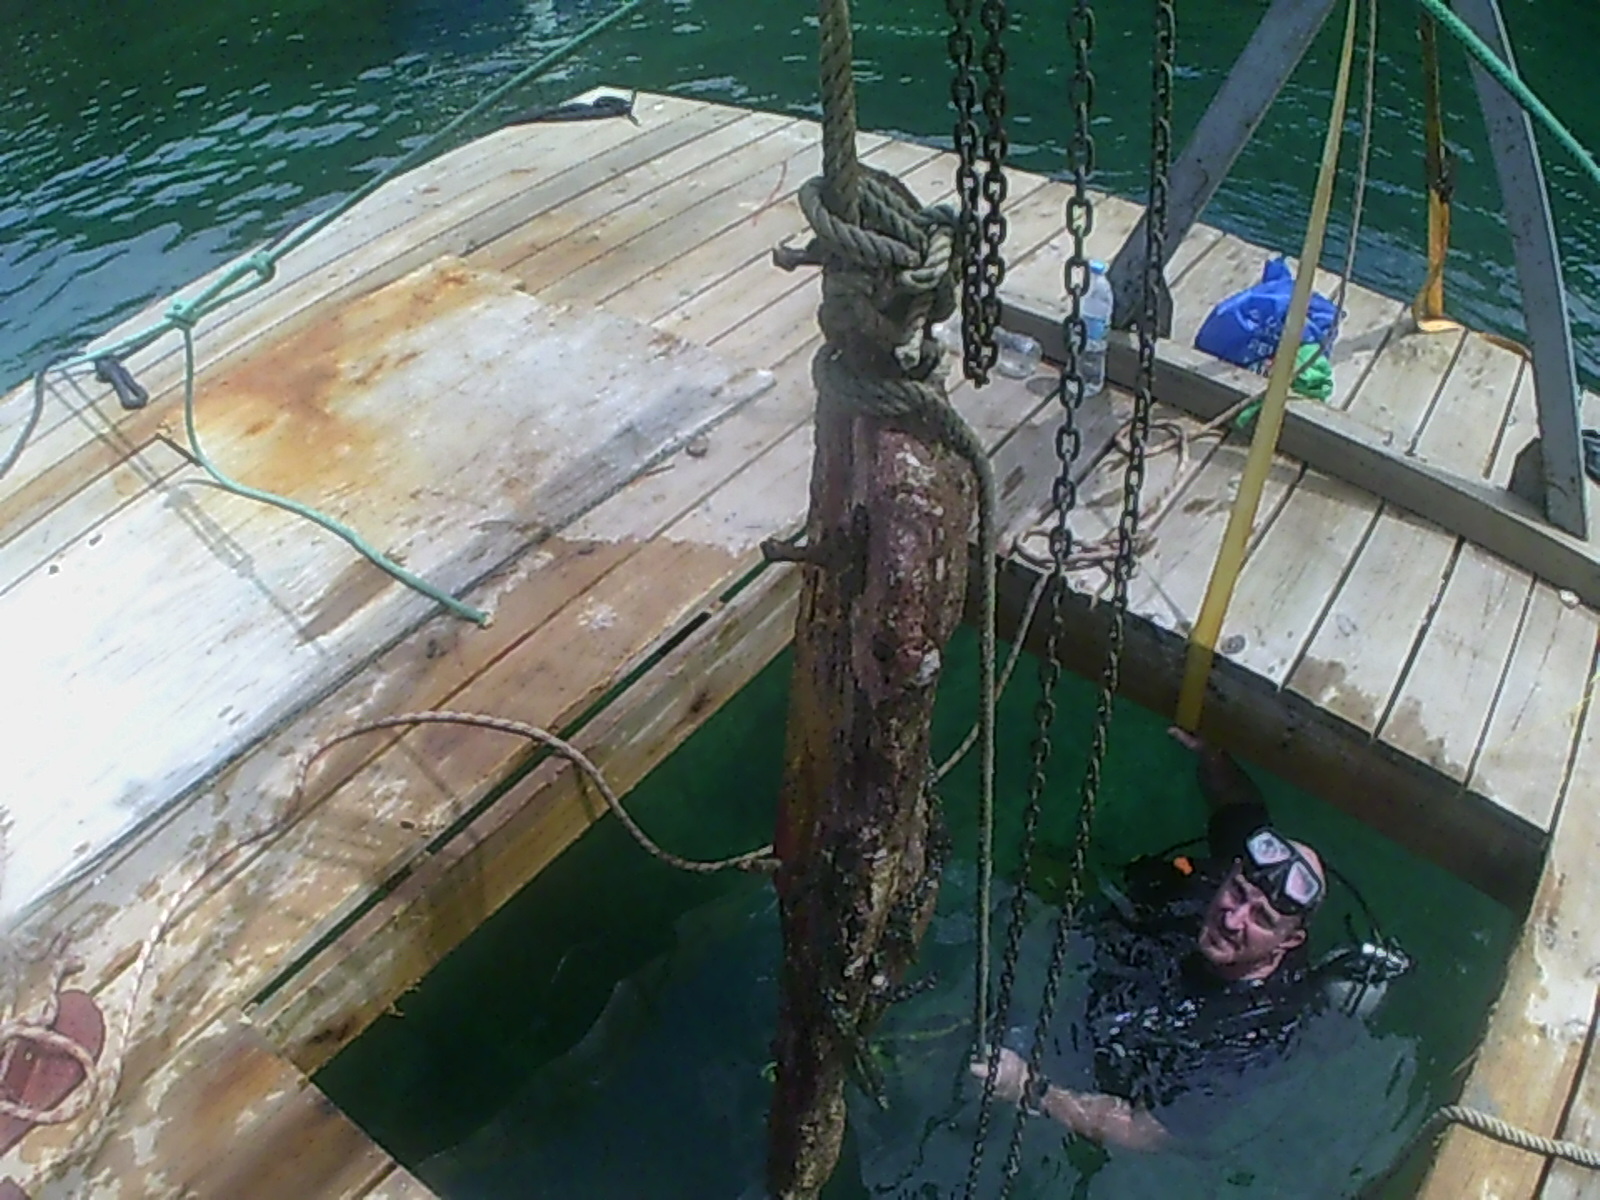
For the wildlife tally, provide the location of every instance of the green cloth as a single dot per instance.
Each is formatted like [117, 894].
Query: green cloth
[1313, 378]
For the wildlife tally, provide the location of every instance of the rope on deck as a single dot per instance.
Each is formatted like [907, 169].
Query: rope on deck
[1503, 1131]
[101, 1078]
[752, 860]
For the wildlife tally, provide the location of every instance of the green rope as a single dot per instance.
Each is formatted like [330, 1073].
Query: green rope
[250, 272]
[338, 528]
[1507, 77]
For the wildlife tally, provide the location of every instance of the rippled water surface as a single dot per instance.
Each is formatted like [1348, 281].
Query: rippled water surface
[140, 147]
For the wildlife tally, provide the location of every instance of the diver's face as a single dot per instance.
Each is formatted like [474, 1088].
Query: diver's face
[1242, 935]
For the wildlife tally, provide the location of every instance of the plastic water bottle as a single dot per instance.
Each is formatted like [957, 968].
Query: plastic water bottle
[1096, 310]
[1018, 354]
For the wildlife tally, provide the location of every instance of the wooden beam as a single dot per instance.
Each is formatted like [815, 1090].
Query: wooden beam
[1416, 806]
[235, 1122]
[1270, 57]
[1337, 445]
[1533, 1051]
[1544, 291]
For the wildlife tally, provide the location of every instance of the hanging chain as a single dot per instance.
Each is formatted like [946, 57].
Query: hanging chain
[982, 223]
[978, 349]
[992, 268]
[1122, 566]
[1064, 499]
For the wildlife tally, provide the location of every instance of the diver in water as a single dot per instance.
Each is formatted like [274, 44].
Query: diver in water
[1200, 976]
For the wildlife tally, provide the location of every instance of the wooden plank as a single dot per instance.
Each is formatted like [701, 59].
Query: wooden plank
[228, 1119]
[1521, 427]
[1442, 707]
[692, 219]
[750, 305]
[1199, 242]
[1175, 570]
[1494, 519]
[1523, 760]
[567, 237]
[1415, 366]
[1465, 423]
[1291, 577]
[1355, 660]
[755, 232]
[1037, 274]
[80, 517]
[1529, 1059]
[1581, 1125]
[400, 1184]
[1371, 321]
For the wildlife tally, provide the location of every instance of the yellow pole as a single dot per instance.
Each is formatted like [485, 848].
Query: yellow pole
[1230, 559]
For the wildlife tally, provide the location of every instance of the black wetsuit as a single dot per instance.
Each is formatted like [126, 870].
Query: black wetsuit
[1160, 1025]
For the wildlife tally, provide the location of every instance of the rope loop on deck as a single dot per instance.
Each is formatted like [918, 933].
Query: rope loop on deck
[40, 1032]
[1503, 1131]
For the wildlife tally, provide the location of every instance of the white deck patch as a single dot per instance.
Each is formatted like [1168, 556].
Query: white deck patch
[450, 418]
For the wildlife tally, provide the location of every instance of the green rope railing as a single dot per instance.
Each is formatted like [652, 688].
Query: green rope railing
[1507, 77]
[244, 275]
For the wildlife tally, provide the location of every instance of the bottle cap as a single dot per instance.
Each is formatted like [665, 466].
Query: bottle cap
[1098, 267]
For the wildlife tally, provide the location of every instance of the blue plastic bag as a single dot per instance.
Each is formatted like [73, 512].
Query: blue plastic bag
[1245, 328]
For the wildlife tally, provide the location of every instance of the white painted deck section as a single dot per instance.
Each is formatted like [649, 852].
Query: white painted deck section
[450, 418]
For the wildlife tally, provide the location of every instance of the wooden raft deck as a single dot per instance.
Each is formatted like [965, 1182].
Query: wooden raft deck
[1377, 658]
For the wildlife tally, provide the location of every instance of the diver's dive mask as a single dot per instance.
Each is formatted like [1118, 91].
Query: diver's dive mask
[1276, 866]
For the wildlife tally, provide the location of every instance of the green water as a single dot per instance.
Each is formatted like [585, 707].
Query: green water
[139, 149]
[604, 1035]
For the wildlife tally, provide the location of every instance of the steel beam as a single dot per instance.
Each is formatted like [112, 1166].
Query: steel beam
[1273, 52]
[1544, 294]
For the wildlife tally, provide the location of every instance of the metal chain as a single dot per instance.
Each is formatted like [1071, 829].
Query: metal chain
[977, 337]
[1064, 499]
[992, 265]
[1122, 566]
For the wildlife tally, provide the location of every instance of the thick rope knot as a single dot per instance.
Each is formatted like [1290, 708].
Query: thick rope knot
[890, 276]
